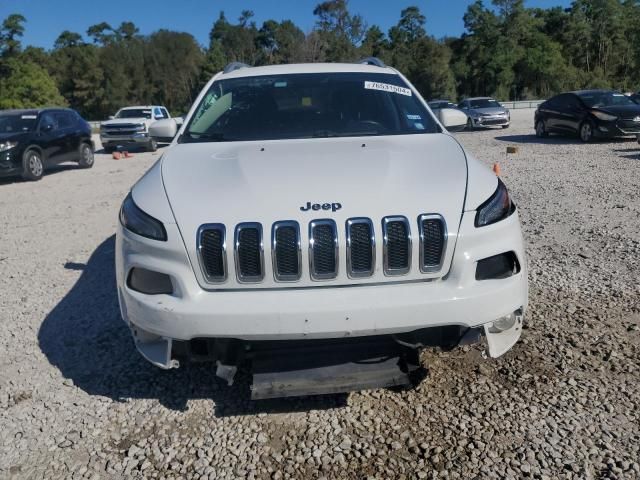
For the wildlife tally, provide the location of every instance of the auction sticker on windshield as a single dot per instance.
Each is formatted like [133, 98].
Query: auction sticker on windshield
[385, 87]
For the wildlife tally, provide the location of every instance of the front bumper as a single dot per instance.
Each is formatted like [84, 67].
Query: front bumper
[490, 121]
[616, 129]
[138, 139]
[320, 312]
[11, 162]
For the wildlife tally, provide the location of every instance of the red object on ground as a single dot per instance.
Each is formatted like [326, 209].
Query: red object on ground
[496, 169]
[127, 154]
[117, 156]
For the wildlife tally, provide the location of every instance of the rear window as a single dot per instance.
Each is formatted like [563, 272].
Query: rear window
[134, 113]
[307, 106]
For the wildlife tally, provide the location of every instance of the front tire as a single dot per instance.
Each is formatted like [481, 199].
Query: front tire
[586, 132]
[32, 166]
[541, 130]
[86, 156]
[505, 126]
[152, 146]
[469, 124]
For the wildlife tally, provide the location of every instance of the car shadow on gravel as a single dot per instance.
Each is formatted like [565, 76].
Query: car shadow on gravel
[86, 339]
[49, 171]
[556, 140]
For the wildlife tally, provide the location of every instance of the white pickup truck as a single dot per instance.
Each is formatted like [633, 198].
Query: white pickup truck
[130, 126]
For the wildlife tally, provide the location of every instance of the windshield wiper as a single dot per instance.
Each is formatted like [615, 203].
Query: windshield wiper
[208, 137]
[324, 134]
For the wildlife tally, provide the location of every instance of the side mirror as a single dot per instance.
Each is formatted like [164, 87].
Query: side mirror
[179, 121]
[111, 117]
[453, 119]
[47, 127]
[164, 129]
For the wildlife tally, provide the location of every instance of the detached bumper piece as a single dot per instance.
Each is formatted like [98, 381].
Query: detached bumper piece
[289, 370]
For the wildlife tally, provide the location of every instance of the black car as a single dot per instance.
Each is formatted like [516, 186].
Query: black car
[589, 114]
[32, 140]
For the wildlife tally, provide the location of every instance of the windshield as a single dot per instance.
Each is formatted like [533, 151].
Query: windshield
[605, 99]
[134, 113]
[15, 123]
[484, 103]
[307, 106]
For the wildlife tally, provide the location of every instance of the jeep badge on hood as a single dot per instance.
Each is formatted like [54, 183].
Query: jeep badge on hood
[334, 207]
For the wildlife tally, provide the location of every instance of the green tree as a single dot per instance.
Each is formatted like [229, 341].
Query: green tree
[27, 85]
[11, 31]
[339, 31]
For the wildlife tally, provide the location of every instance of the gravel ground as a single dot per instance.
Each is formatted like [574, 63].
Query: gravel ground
[77, 400]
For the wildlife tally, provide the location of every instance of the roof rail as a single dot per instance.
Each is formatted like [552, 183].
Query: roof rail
[234, 66]
[372, 61]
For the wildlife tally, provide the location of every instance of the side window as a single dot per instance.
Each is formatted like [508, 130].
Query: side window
[165, 113]
[47, 122]
[157, 113]
[573, 102]
[63, 119]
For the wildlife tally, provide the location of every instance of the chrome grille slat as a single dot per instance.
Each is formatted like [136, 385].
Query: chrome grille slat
[361, 247]
[212, 250]
[323, 249]
[286, 251]
[396, 234]
[249, 253]
[433, 237]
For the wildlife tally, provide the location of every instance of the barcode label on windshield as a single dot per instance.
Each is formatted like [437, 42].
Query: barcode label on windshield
[385, 87]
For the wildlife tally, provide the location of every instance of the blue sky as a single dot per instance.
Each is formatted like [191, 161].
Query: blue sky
[47, 18]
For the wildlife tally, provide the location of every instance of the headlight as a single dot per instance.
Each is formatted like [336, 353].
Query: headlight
[141, 127]
[7, 146]
[497, 208]
[603, 116]
[135, 220]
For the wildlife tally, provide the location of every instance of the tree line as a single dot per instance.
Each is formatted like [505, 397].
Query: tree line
[507, 50]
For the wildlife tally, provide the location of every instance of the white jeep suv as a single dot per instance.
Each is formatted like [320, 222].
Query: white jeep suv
[317, 222]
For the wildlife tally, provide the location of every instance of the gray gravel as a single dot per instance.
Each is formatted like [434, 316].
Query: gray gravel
[77, 401]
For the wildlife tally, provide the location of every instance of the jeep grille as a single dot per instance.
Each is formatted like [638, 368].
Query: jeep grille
[323, 249]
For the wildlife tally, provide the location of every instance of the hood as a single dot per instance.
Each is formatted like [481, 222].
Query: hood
[121, 121]
[490, 111]
[269, 181]
[622, 111]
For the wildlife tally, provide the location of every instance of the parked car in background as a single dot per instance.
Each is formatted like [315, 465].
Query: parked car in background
[318, 221]
[32, 140]
[485, 112]
[130, 127]
[589, 114]
[635, 97]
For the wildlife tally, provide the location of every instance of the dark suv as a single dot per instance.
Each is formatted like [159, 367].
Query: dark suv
[32, 140]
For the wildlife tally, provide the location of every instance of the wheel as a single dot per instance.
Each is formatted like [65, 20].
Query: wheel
[152, 146]
[505, 126]
[586, 132]
[32, 166]
[541, 131]
[469, 124]
[86, 156]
